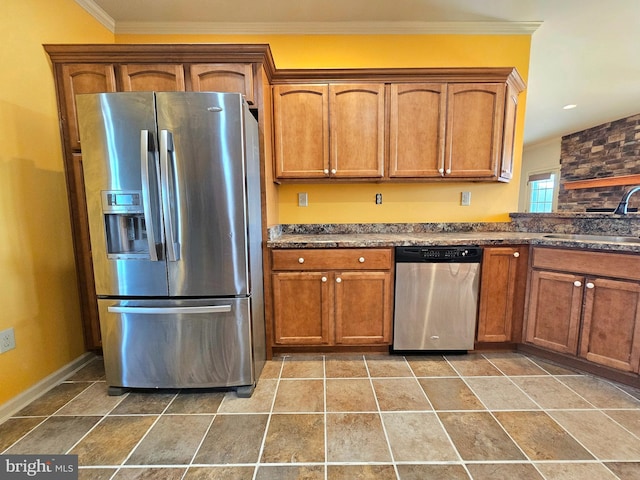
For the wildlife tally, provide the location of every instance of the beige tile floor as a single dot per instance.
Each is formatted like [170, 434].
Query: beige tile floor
[480, 416]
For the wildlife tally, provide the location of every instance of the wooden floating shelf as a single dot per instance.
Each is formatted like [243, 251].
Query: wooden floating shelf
[603, 182]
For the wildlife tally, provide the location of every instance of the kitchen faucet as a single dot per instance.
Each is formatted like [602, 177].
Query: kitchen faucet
[622, 206]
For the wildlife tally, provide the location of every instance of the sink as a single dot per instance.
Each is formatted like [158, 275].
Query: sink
[593, 238]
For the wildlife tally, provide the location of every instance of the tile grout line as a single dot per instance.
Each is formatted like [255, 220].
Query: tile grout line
[89, 383]
[462, 461]
[546, 410]
[195, 453]
[119, 467]
[266, 428]
[384, 428]
[527, 396]
[326, 433]
[97, 423]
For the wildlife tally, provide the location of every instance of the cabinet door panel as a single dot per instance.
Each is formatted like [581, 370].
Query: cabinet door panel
[417, 127]
[475, 114]
[611, 325]
[500, 268]
[357, 130]
[363, 307]
[301, 130]
[223, 77]
[508, 140]
[83, 78]
[555, 304]
[301, 308]
[147, 77]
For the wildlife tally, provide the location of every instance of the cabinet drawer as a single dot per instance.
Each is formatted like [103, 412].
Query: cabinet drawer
[332, 259]
[617, 265]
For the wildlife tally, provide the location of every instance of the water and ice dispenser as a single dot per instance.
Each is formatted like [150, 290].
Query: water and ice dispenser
[124, 223]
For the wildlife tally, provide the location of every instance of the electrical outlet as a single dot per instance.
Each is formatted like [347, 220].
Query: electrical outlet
[7, 340]
[465, 199]
[378, 199]
[303, 199]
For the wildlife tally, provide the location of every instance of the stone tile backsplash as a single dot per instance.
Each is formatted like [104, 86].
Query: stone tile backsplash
[608, 150]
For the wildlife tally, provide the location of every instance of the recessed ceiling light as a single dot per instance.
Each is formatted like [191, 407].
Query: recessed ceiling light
[569, 107]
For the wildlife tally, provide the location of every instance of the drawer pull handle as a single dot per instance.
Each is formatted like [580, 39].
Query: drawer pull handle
[590, 285]
[577, 283]
[338, 280]
[324, 279]
[361, 259]
[301, 260]
[516, 254]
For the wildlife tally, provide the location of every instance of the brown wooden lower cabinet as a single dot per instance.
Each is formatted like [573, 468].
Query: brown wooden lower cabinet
[502, 292]
[611, 323]
[317, 306]
[584, 310]
[555, 304]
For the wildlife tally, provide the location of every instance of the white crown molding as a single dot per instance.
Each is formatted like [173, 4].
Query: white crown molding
[99, 14]
[328, 28]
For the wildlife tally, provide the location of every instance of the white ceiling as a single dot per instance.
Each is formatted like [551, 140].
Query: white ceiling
[583, 52]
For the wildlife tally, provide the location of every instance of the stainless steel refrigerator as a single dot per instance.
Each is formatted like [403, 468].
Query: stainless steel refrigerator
[172, 184]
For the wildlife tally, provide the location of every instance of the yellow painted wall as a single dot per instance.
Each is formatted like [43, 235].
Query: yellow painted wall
[424, 202]
[38, 290]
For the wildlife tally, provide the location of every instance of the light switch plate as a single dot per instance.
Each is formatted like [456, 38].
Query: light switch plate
[465, 199]
[303, 199]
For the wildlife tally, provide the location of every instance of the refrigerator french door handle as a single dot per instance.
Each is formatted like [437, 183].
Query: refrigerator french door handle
[170, 310]
[146, 201]
[168, 195]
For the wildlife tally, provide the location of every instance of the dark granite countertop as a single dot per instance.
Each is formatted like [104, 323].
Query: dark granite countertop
[524, 229]
[427, 239]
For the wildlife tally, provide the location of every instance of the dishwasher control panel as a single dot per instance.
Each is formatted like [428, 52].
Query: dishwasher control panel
[454, 253]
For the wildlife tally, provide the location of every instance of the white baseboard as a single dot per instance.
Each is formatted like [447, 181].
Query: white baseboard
[43, 386]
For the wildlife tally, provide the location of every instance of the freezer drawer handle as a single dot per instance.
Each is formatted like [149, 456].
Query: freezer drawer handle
[170, 310]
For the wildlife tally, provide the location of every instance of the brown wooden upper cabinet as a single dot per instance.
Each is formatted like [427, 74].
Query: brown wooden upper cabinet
[147, 77]
[78, 78]
[417, 129]
[475, 114]
[329, 131]
[436, 130]
[205, 77]
[223, 77]
[448, 131]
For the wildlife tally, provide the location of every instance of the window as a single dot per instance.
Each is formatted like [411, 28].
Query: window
[542, 192]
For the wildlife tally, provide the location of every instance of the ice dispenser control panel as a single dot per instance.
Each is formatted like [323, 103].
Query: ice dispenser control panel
[122, 201]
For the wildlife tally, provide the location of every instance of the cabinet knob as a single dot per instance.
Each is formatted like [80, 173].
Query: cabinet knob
[441, 171]
[326, 171]
[589, 285]
[577, 283]
[361, 259]
[516, 254]
[324, 279]
[338, 280]
[448, 171]
[333, 170]
[301, 260]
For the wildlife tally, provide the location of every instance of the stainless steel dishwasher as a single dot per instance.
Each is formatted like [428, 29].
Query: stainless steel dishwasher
[436, 297]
